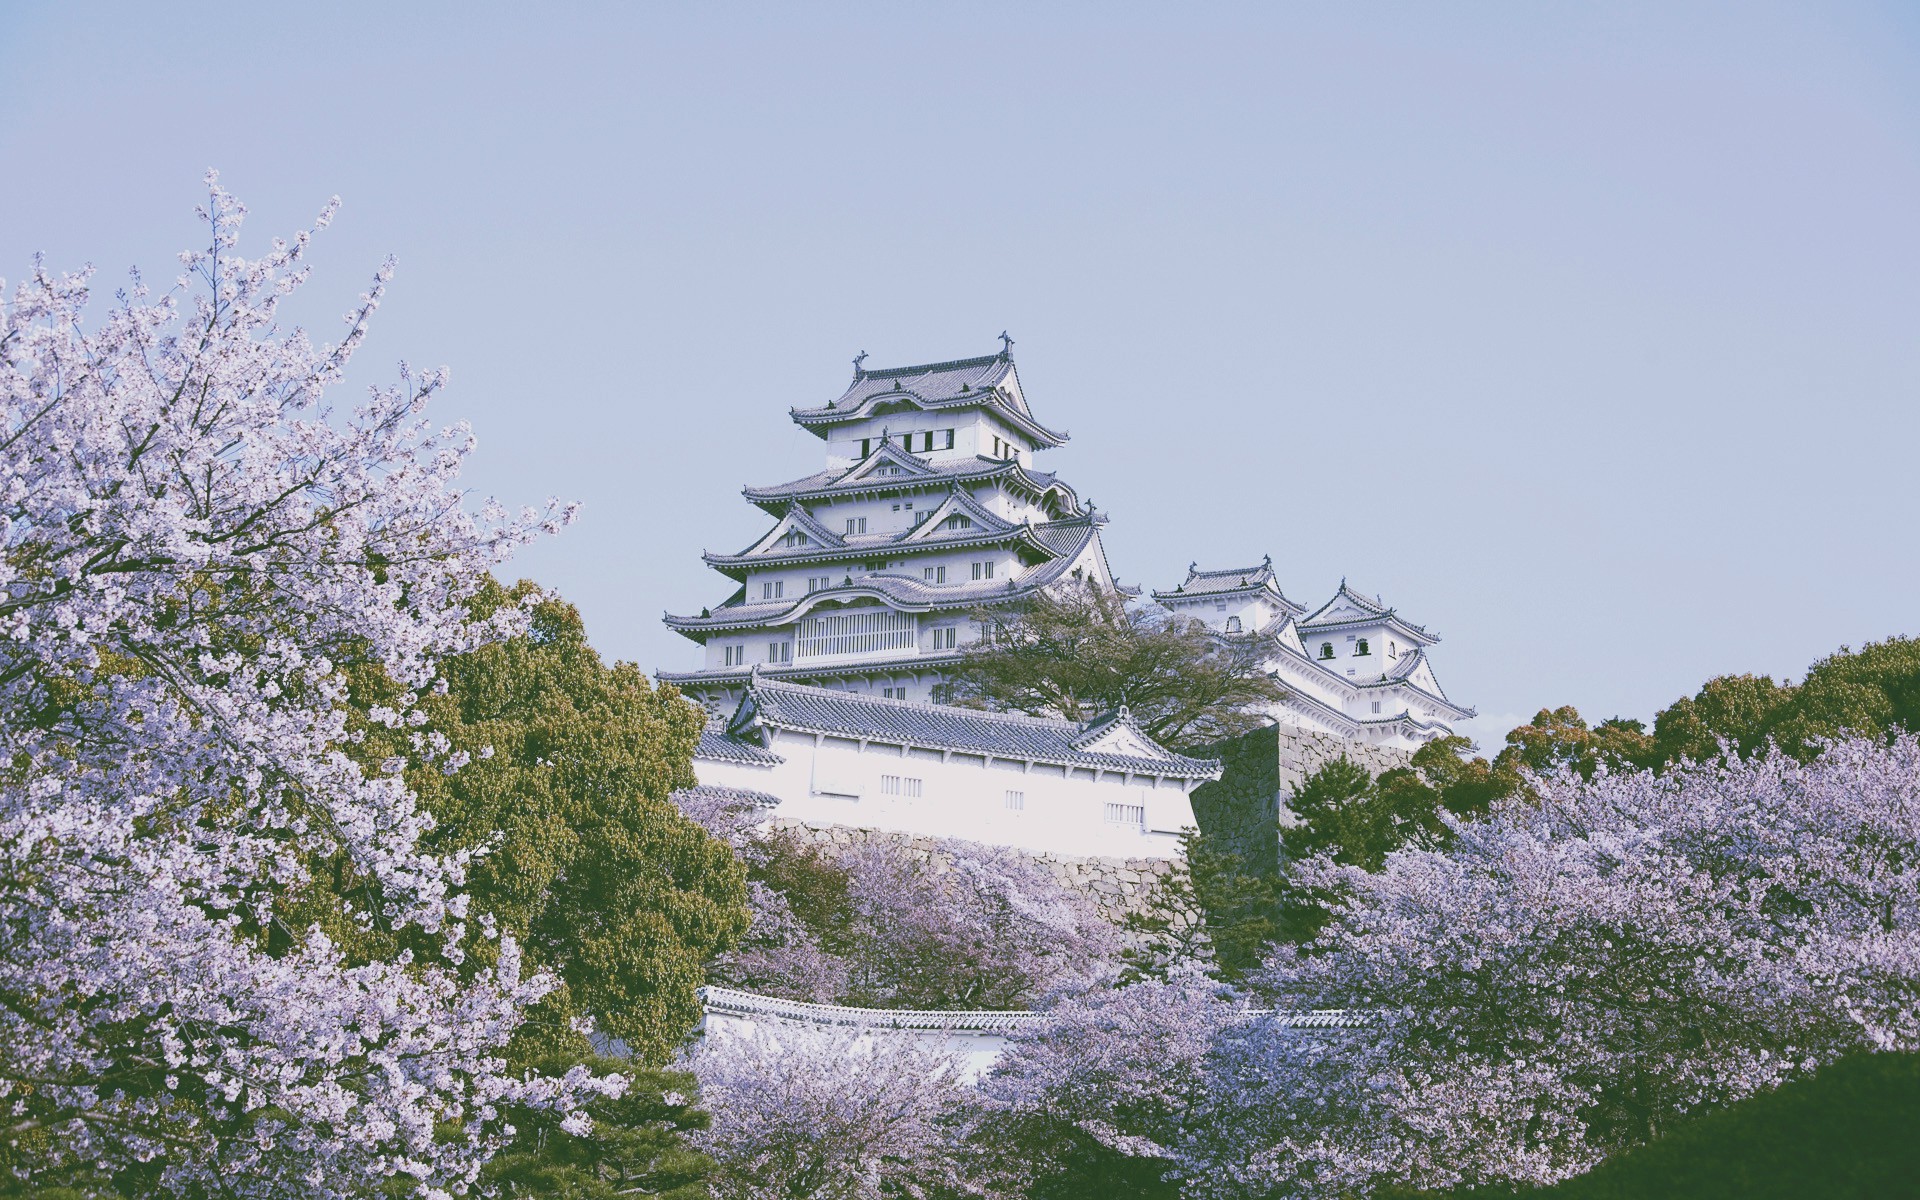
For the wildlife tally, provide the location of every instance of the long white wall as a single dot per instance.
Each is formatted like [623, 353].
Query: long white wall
[933, 793]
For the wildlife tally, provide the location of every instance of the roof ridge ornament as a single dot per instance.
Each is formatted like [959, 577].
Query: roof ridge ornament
[1006, 347]
[859, 370]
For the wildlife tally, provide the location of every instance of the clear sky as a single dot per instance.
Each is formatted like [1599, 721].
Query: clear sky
[1587, 335]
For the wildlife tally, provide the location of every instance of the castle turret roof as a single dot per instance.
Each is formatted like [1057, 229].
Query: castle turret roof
[1350, 609]
[989, 382]
[1229, 581]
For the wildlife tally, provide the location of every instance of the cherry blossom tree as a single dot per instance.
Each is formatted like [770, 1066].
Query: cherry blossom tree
[802, 1112]
[193, 544]
[1572, 977]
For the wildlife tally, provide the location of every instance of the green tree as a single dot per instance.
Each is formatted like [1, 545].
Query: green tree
[1083, 650]
[1873, 691]
[1560, 739]
[595, 871]
[1358, 820]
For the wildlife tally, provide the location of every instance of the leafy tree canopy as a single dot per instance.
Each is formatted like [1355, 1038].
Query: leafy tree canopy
[1871, 692]
[588, 863]
[1084, 650]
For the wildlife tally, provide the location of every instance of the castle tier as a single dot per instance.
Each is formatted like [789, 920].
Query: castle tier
[1353, 667]
[928, 509]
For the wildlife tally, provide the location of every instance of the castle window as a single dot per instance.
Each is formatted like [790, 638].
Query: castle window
[793, 538]
[893, 693]
[856, 524]
[1393, 651]
[934, 574]
[1326, 649]
[866, 447]
[895, 785]
[779, 652]
[983, 570]
[1360, 647]
[1016, 801]
[735, 656]
[943, 639]
[1233, 624]
[949, 434]
[928, 443]
[959, 521]
[1132, 815]
[1376, 706]
[818, 583]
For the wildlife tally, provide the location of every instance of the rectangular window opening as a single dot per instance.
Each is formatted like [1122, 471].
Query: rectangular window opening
[1016, 801]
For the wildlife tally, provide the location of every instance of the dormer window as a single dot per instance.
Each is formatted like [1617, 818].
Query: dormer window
[794, 538]
[959, 521]
[1326, 649]
[1233, 624]
[1360, 648]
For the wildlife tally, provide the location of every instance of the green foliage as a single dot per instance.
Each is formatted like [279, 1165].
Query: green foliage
[1084, 651]
[593, 869]
[1357, 820]
[637, 1145]
[1559, 739]
[1846, 1133]
[1873, 691]
[589, 863]
[1220, 908]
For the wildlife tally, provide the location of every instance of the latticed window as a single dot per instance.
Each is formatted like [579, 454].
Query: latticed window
[1134, 815]
[868, 631]
[1016, 801]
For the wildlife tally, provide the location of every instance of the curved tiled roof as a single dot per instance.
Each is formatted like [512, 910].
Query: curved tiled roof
[839, 481]
[988, 382]
[716, 745]
[920, 664]
[733, 1002]
[1066, 538]
[1230, 580]
[938, 726]
[726, 795]
[1375, 613]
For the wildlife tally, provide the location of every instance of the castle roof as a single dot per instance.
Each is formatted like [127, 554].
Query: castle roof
[1113, 742]
[981, 527]
[1065, 540]
[715, 744]
[743, 797]
[1350, 610]
[1231, 581]
[732, 1002]
[988, 383]
[889, 470]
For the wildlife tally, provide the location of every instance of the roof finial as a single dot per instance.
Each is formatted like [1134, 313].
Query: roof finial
[1266, 560]
[1006, 345]
[1193, 568]
[859, 372]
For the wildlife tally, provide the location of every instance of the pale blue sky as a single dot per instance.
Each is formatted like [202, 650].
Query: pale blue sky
[1587, 335]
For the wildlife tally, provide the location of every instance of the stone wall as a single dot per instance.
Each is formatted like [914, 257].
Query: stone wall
[1116, 886]
[1260, 771]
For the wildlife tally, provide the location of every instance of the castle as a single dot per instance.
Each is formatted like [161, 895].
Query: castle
[851, 607]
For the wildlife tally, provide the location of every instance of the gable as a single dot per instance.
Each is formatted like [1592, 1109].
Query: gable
[1122, 739]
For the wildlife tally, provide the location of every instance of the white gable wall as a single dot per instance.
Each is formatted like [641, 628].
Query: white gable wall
[840, 781]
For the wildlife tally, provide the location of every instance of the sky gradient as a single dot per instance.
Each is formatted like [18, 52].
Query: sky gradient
[1588, 337]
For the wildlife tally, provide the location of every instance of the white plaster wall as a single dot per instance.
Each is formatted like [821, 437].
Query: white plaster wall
[977, 1051]
[837, 781]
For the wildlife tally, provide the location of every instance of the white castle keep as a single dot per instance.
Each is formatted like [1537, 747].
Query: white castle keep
[850, 609]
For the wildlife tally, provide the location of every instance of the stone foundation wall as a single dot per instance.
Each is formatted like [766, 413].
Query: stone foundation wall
[1116, 886]
[1248, 803]
[1301, 752]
